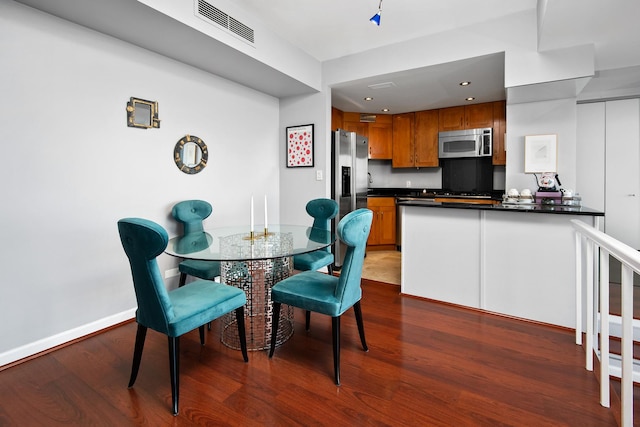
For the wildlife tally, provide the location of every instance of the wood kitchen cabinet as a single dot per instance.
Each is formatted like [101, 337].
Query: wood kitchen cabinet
[379, 133]
[499, 130]
[410, 140]
[466, 117]
[351, 123]
[451, 118]
[426, 139]
[403, 139]
[383, 226]
[336, 119]
[380, 137]
[415, 139]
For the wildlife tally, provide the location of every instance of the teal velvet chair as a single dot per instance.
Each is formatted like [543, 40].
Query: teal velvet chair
[322, 211]
[327, 294]
[175, 312]
[191, 213]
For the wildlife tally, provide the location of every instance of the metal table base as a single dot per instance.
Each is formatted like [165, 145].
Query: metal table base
[256, 278]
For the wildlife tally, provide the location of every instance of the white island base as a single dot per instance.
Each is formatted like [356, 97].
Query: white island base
[515, 263]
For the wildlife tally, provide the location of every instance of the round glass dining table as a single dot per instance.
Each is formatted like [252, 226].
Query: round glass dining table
[253, 262]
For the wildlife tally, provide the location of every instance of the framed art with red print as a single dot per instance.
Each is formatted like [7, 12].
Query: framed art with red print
[300, 146]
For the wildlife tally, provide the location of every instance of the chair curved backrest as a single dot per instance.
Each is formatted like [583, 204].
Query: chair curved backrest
[353, 229]
[191, 213]
[143, 241]
[322, 211]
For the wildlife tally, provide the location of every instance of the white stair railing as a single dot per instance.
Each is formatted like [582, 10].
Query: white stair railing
[598, 318]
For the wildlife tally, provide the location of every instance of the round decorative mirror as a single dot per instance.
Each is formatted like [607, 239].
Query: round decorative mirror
[190, 154]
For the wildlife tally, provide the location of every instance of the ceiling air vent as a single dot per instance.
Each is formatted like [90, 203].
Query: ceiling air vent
[210, 13]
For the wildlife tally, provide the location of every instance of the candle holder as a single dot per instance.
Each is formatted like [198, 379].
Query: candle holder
[252, 236]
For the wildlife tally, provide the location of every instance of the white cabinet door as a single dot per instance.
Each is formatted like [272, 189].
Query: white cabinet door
[622, 169]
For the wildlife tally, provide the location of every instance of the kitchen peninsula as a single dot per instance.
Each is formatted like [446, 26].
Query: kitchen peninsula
[514, 260]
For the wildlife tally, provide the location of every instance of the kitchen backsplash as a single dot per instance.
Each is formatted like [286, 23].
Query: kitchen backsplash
[382, 175]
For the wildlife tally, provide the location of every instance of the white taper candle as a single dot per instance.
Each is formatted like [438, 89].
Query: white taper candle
[252, 214]
[265, 212]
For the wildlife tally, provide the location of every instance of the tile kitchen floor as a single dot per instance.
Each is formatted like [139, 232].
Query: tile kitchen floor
[382, 266]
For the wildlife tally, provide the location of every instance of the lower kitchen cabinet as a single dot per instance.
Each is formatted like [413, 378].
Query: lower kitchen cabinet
[383, 227]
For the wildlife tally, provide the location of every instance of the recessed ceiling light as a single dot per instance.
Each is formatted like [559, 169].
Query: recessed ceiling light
[386, 110]
[465, 83]
[368, 98]
[471, 98]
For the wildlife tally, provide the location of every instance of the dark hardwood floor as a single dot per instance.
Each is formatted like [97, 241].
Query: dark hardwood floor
[429, 364]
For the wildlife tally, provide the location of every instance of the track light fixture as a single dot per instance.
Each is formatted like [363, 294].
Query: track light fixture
[375, 19]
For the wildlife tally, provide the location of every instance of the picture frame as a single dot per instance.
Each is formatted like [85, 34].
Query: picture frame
[540, 153]
[300, 146]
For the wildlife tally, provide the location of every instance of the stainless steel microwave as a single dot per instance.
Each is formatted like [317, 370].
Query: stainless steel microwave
[465, 143]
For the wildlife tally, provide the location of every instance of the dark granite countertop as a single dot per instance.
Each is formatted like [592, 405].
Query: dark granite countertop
[421, 192]
[519, 208]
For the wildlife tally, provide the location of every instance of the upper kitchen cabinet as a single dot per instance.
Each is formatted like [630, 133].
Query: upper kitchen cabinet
[377, 128]
[403, 140]
[426, 139]
[415, 139]
[380, 137]
[466, 117]
[351, 123]
[451, 118]
[479, 115]
[336, 119]
[499, 131]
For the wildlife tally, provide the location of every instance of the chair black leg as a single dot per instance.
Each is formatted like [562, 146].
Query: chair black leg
[358, 311]
[335, 332]
[307, 320]
[241, 332]
[274, 331]
[174, 370]
[137, 353]
[330, 267]
[183, 279]
[201, 330]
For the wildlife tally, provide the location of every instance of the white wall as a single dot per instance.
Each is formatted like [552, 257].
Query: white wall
[267, 48]
[590, 155]
[540, 118]
[72, 168]
[299, 185]
[512, 34]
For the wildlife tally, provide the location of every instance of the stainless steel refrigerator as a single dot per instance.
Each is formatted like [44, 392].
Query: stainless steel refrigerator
[349, 180]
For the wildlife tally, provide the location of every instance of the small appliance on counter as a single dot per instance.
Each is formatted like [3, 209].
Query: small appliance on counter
[548, 193]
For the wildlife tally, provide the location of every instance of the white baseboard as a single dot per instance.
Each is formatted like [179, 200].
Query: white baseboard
[64, 337]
